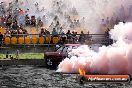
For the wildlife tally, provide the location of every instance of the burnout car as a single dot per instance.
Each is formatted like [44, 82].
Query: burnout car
[52, 59]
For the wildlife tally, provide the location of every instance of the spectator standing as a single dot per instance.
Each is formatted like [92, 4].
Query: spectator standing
[51, 26]
[45, 20]
[72, 26]
[38, 19]
[14, 25]
[68, 34]
[3, 21]
[82, 37]
[9, 21]
[78, 23]
[103, 25]
[107, 37]
[47, 32]
[7, 33]
[62, 36]
[69, 19]
[14, 33]
[107, 33]
[21, 18]
[40, 23]
[58, 27]
[42, 33]
[54, 33]
[75, 23]
[56, 19]
[73, 36]
[88, 36]
[1, 38]
[108, 22]
[112, 23]
[33, 21]
[27, 20]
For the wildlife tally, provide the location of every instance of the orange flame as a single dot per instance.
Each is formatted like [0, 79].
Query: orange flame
[82, 72]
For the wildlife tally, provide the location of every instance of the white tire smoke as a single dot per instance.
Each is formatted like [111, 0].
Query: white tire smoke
[114, 59]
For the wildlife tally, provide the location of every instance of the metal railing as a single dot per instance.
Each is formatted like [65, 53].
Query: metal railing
[59, 39]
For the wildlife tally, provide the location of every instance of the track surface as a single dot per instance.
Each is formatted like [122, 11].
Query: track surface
[38, 77]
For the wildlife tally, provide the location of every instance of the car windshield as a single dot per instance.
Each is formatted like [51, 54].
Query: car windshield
[66, 48]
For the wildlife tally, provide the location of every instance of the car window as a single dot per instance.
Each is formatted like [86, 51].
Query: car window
[60, 49]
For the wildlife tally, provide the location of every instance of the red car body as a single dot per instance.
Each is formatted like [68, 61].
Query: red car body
[54, 58]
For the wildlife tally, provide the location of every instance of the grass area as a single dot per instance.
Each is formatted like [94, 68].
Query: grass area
[25, 56]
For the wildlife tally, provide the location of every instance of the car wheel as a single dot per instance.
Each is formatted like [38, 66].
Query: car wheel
[49, 62]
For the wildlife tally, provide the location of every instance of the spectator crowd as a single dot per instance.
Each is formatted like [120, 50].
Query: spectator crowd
[16, 20]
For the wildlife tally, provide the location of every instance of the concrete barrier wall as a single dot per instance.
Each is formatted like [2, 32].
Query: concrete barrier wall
[34, 62]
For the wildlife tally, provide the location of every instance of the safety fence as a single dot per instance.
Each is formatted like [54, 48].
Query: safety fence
[36, 39]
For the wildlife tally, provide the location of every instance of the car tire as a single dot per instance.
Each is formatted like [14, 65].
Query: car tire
[49, 62]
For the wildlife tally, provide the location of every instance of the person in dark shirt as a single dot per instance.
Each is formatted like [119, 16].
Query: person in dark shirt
[73, 36]
[82, 37]
[27, 20]
[14, 25]
[42, 33]
[47, 32]
[107, 33]
[1, 38]
[14, 33]
[33, 20]
[9, 21]
[68, 34]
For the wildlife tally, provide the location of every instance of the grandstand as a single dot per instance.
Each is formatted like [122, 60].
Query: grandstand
[21, 28]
